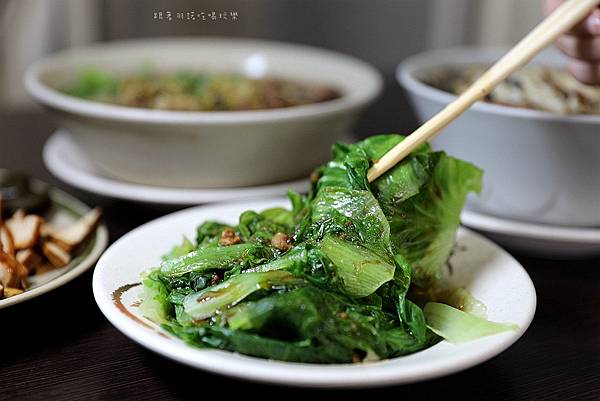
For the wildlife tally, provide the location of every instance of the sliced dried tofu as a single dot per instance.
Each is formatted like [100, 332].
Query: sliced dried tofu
[30, 259]
[19, 214]
[11, 292]
[44, 267]
[55, 254]
[7, 244]
[47, 230]
[12, 273]
[25, 229]
[72, 236]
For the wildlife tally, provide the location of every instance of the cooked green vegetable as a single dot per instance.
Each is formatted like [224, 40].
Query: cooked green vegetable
[360, 271]
[211, 258]
[96, 84]
[328, 281]
[210, 301]
[457, 326]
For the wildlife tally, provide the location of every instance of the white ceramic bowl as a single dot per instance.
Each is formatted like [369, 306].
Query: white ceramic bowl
[206, 149]
[539, 167]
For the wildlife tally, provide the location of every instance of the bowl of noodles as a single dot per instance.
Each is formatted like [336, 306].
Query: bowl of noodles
[536, 135]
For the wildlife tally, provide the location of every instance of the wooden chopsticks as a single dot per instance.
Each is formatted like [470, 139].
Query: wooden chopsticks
[557, 23]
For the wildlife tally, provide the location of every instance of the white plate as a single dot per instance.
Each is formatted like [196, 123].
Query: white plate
[538, 239]
[64, 210]
[65, 161]
[490, 273]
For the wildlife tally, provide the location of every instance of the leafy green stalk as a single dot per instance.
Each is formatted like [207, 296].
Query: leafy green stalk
[294, 260]
[182, 249]
[361, 271]
[424, 226]
[341, 293]
[212, 258]
[354, 214]
[206, 303]
[155, 301]
[457, 326]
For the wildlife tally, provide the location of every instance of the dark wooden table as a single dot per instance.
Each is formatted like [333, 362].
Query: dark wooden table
[59, 346]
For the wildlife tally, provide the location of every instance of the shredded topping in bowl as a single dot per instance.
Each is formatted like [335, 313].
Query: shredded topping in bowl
[535, 87]
[197, 91]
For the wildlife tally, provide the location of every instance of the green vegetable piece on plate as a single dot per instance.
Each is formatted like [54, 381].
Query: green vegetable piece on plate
[457, 326]
[294, 259]
[206, 303]
[155, 301]
[423, 226]
[361, 271]
[184, 248]
[351, 213]
[213, 258]
[362, 260]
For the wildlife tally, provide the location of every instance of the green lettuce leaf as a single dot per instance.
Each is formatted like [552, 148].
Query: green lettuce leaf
[457, 326]
[360, 271]
[355, 214]
[206, 303]
[214, 258]
[365, 258]
[423, 226]
[155, 299]
[184, 248]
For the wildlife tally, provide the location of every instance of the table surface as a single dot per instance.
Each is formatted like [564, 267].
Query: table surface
[59, 345]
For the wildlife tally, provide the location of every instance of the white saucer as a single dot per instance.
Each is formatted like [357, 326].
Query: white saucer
[65, 161]
[536, 239]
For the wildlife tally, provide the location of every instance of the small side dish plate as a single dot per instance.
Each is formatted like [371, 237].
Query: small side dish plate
[64, 210]
[487, 271]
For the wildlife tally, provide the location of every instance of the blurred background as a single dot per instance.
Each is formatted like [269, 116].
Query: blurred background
[381, 32]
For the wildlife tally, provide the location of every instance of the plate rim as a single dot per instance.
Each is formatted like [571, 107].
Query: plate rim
[101, 241]
[113, 187]
[523, 229]
[224, 362]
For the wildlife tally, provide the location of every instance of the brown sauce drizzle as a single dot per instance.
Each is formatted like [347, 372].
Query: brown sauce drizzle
[117, 296]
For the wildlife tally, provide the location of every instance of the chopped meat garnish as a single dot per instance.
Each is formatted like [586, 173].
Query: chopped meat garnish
[214, 279]
[229, 237]
[324, 93]
[281, 241]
